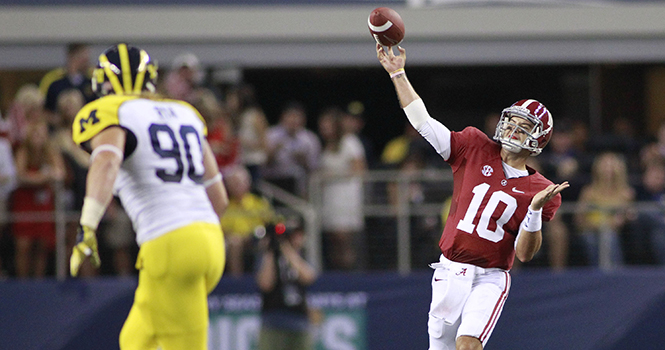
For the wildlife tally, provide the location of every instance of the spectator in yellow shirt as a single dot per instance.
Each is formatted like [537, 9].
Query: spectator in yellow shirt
[246, 212]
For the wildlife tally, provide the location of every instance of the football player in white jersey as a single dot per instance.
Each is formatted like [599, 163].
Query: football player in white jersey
[152, 153]
[497, 209]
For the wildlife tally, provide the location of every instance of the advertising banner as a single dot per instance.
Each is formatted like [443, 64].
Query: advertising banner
[338, 321]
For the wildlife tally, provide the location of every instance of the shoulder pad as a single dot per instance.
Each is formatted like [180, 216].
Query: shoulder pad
[96, 116]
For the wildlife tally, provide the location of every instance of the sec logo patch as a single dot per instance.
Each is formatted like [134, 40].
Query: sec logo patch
[487, 170]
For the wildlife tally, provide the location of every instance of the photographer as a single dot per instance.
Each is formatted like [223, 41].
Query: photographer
[282, 277]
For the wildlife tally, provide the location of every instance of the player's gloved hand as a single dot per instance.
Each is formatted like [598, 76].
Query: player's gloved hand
[86, 246]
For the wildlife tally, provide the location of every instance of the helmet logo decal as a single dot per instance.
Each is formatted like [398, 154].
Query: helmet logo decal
[487, 170]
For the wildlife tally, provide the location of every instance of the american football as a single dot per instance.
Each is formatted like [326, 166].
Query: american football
[386, 26]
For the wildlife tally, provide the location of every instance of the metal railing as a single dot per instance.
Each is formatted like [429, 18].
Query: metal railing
[60, 217]
[311, 220]
[397, 205]
[377, 203]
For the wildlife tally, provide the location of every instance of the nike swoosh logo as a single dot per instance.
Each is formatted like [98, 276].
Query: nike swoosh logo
[437, 279]
[516, 190]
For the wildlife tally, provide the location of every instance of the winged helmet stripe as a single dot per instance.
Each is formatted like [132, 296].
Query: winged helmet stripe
[527, 103]
[126, 68]
[113, 78]
[140, 72]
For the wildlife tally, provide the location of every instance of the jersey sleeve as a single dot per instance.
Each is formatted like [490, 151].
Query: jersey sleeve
[95, 117]
[437, 134]
[462, 141]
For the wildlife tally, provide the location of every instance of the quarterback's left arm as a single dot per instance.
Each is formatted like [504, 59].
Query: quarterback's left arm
[106, 159]
[530, 237]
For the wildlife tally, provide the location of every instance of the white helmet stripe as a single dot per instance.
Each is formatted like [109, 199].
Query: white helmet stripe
[527, 103]
[381, 28]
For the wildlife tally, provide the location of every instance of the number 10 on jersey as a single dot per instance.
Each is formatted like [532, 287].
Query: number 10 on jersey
[479, 193]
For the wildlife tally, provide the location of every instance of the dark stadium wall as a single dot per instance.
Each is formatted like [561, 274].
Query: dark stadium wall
[582, 309]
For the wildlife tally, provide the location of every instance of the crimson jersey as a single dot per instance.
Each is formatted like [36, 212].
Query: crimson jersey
[487, 208]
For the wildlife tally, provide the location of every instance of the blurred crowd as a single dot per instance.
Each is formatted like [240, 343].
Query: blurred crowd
[613, 213]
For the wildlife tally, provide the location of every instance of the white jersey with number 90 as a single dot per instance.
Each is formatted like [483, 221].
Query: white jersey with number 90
[160, 180]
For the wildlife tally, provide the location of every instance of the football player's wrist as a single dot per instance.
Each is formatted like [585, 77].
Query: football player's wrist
[533, 221]
[92, 213]
[397, 72]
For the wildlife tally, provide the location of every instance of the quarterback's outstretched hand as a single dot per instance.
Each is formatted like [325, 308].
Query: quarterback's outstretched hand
[86, 246]
[389, 61]
[548, 193]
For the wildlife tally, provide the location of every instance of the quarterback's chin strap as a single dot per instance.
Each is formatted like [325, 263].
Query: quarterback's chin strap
[211, 181]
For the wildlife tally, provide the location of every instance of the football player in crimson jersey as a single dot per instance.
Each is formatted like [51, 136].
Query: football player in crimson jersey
[496, 213]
